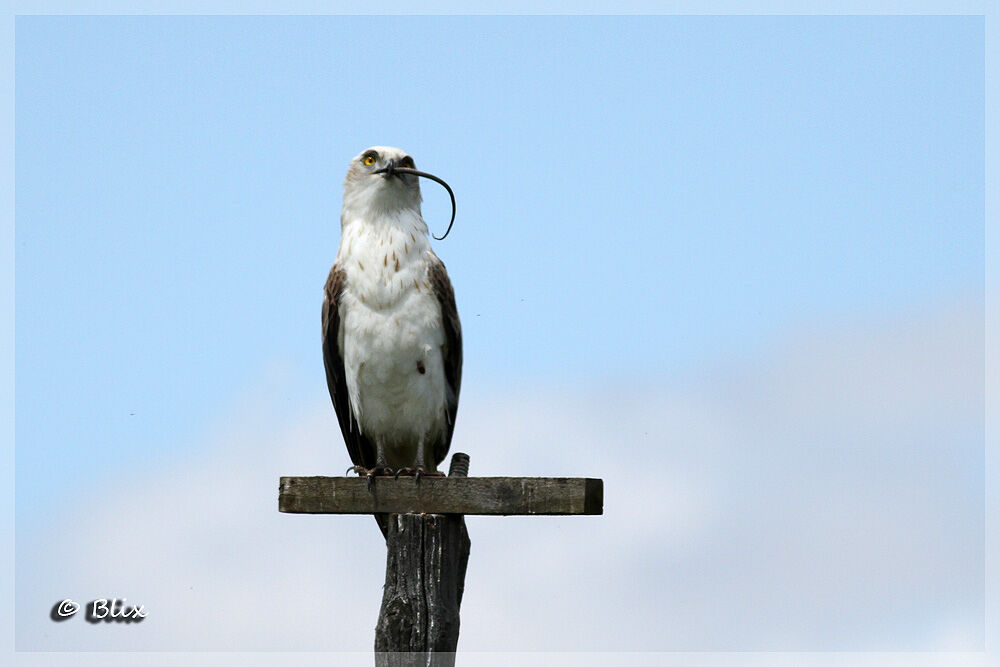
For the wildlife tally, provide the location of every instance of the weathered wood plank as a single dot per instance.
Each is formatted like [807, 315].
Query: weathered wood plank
[443, 495]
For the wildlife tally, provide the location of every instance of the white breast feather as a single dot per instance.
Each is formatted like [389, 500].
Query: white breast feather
[390, 323]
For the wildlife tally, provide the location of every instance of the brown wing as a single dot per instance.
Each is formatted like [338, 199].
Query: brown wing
[362, 451]
[451, 351]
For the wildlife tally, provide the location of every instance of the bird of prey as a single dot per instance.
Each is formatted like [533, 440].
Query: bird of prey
[392, 341]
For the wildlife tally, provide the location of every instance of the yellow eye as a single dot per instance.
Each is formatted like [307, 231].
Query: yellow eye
[407, 163]
[369, 160]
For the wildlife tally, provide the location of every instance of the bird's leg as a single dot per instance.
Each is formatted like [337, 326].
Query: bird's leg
[420, 469]
[377, 471]
[428, 469]
[417, 470]
[380, 468]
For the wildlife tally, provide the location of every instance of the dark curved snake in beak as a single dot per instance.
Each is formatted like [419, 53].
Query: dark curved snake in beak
[391, 170]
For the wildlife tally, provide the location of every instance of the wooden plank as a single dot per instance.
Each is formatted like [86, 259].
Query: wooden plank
[504, 496]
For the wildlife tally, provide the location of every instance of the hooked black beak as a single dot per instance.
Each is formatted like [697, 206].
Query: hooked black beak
[390, 170]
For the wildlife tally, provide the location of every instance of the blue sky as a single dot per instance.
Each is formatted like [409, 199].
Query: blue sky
[642, 201]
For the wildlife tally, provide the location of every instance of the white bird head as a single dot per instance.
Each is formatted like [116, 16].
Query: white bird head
[372, 182]
[383, 181]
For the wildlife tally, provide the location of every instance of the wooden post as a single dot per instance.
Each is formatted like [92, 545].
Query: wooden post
[428, 545]
[426, 559]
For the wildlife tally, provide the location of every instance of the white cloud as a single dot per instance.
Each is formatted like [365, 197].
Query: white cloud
[827, 496]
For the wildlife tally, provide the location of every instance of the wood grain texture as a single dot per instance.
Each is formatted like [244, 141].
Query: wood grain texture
[443, 495]
[426, 560]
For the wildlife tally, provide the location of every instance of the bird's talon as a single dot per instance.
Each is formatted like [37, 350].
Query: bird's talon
[371, 473]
